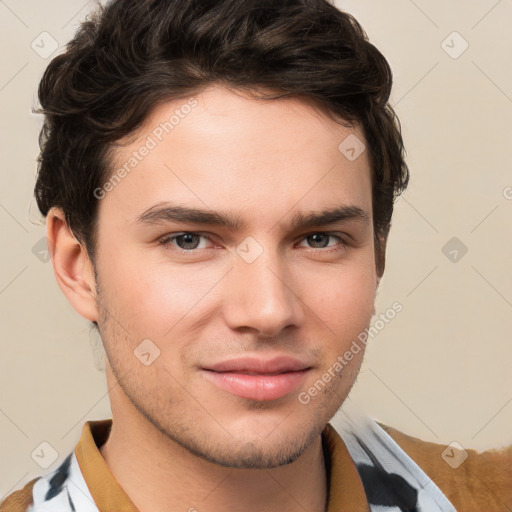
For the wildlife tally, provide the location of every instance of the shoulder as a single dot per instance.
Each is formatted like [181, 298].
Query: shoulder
[47, 492]
[20, 500]
[471, 480]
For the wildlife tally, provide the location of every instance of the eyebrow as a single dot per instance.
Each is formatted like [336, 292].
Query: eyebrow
[166, 212]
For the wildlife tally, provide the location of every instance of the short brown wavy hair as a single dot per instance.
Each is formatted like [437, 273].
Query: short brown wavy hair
[133, 54]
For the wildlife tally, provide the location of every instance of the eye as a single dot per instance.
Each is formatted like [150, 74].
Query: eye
[190, 242]
[186, 241]
[321, 240]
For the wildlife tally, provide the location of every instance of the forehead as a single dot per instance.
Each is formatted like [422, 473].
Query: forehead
[221, 147]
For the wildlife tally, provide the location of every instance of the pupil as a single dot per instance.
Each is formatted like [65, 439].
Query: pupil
[188, 239]
[315, 238]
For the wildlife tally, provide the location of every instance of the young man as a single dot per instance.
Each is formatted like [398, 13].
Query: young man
[218, 179]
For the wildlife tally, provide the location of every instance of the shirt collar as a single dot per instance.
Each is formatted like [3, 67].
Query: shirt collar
[346, 490]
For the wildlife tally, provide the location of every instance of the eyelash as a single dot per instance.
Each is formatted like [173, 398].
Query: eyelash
[167, 241]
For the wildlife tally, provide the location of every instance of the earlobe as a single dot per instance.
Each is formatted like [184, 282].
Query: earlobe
[72, 266]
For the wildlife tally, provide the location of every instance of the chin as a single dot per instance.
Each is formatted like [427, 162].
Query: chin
[254, 455]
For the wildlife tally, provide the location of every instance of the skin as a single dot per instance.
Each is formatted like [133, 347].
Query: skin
[307, 297]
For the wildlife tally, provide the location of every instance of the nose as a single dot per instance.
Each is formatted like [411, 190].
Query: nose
[262, 296]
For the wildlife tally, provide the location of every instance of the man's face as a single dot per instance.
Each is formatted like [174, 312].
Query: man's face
[263, 289]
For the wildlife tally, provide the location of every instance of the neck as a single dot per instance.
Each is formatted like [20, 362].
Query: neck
[166, 473]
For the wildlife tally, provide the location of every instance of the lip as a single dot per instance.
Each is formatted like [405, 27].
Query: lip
[278, 364]
[258, 379]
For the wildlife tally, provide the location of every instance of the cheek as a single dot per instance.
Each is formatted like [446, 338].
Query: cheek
[151, 298]
[346, 303]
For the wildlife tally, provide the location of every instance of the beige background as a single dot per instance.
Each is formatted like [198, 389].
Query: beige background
[439, 371]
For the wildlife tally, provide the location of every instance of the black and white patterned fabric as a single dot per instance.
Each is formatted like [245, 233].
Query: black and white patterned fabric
[391, 479]
[63, 490]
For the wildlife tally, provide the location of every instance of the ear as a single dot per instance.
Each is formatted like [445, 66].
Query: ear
[71, 264]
